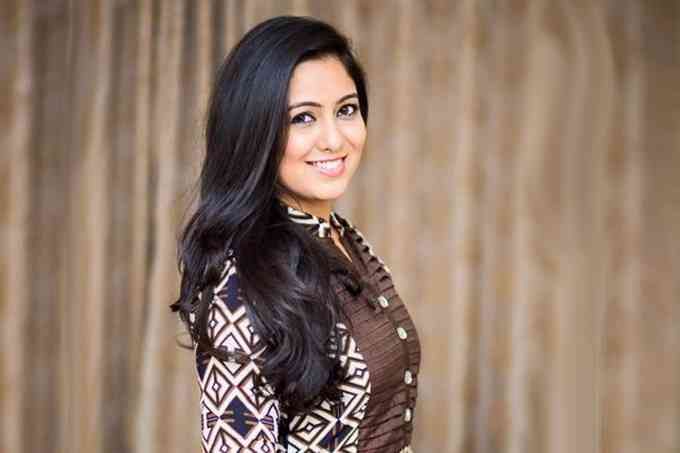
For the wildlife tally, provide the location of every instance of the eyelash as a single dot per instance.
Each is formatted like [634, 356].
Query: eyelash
[355, 108]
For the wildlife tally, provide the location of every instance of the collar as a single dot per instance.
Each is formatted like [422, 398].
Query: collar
[317, 225]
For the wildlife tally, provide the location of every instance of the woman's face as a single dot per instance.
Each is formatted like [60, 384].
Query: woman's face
[326, 135]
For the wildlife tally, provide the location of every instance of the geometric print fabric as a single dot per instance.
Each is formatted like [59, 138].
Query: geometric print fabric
[236, 419]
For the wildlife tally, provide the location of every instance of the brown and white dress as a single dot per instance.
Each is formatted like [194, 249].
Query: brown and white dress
[380, 351]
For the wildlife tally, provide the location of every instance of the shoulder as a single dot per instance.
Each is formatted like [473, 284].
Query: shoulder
[355, 235]
[344, 221]
[350, 228]
[227, 291]
[228, 322]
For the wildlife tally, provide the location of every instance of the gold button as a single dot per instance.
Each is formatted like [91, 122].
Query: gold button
[384, 303]
[402, 333]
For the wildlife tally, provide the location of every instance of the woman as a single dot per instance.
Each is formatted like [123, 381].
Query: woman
[302, 342]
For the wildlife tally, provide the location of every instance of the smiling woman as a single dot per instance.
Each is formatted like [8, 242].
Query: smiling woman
[326, 135]
[301, 340]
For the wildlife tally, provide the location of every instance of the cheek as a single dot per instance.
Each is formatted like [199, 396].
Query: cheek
[297, 146]
[356, 135]
[293, 160]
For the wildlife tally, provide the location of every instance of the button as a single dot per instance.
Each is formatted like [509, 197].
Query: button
[402, 333]
[408, 377]
[407, 415]
[384, 303]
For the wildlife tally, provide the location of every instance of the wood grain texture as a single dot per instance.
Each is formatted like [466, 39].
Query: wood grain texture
[16, 91]
[521, 179]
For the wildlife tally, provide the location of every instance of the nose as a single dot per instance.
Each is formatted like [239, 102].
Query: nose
[330, 136]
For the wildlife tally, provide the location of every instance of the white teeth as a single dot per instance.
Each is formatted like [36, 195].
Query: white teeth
[328, 164]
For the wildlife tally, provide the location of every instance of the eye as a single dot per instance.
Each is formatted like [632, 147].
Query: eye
[349, 109]
[300, 118]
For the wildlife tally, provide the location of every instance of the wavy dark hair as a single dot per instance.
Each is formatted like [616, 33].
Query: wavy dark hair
[283, 271]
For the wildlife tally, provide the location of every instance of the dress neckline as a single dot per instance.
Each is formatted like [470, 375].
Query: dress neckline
[317, 225]
[322, 228]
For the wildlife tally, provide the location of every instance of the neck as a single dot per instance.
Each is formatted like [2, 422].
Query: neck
[321, 209]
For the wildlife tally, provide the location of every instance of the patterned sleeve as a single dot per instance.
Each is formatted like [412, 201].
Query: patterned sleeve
[233, 417]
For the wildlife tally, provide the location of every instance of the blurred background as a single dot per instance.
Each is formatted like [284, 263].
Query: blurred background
[521, 180]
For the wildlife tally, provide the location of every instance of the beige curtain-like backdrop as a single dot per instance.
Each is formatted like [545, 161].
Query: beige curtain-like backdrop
[521, 179]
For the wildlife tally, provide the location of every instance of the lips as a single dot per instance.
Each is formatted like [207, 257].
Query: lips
[329, 167]
[325, 160]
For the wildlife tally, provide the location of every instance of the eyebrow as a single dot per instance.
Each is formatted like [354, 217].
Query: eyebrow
[316, 104]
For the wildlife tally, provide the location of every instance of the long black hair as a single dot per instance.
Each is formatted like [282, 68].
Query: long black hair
[283, 271]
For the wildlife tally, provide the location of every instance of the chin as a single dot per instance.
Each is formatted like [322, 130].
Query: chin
[327, 196]
[332, 193]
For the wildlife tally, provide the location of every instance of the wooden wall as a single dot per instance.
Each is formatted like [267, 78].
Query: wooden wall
[521, 180]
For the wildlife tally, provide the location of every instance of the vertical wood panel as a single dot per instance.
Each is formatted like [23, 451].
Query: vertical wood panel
[507, 29]
[430, 307]
[620, 377]
[139, 208]
[47, 384]
[530, 340]
[90, 218]
[575, 403]
[159, 364]
[378, 29]
[656, 427]
[464, 264]
[16, 90]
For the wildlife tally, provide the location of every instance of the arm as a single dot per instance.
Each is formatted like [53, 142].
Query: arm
[233, 417]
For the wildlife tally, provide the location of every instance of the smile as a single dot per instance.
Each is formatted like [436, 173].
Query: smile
[331, 168]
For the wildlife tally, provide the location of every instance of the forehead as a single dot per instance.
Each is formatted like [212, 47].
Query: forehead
[320, 78]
